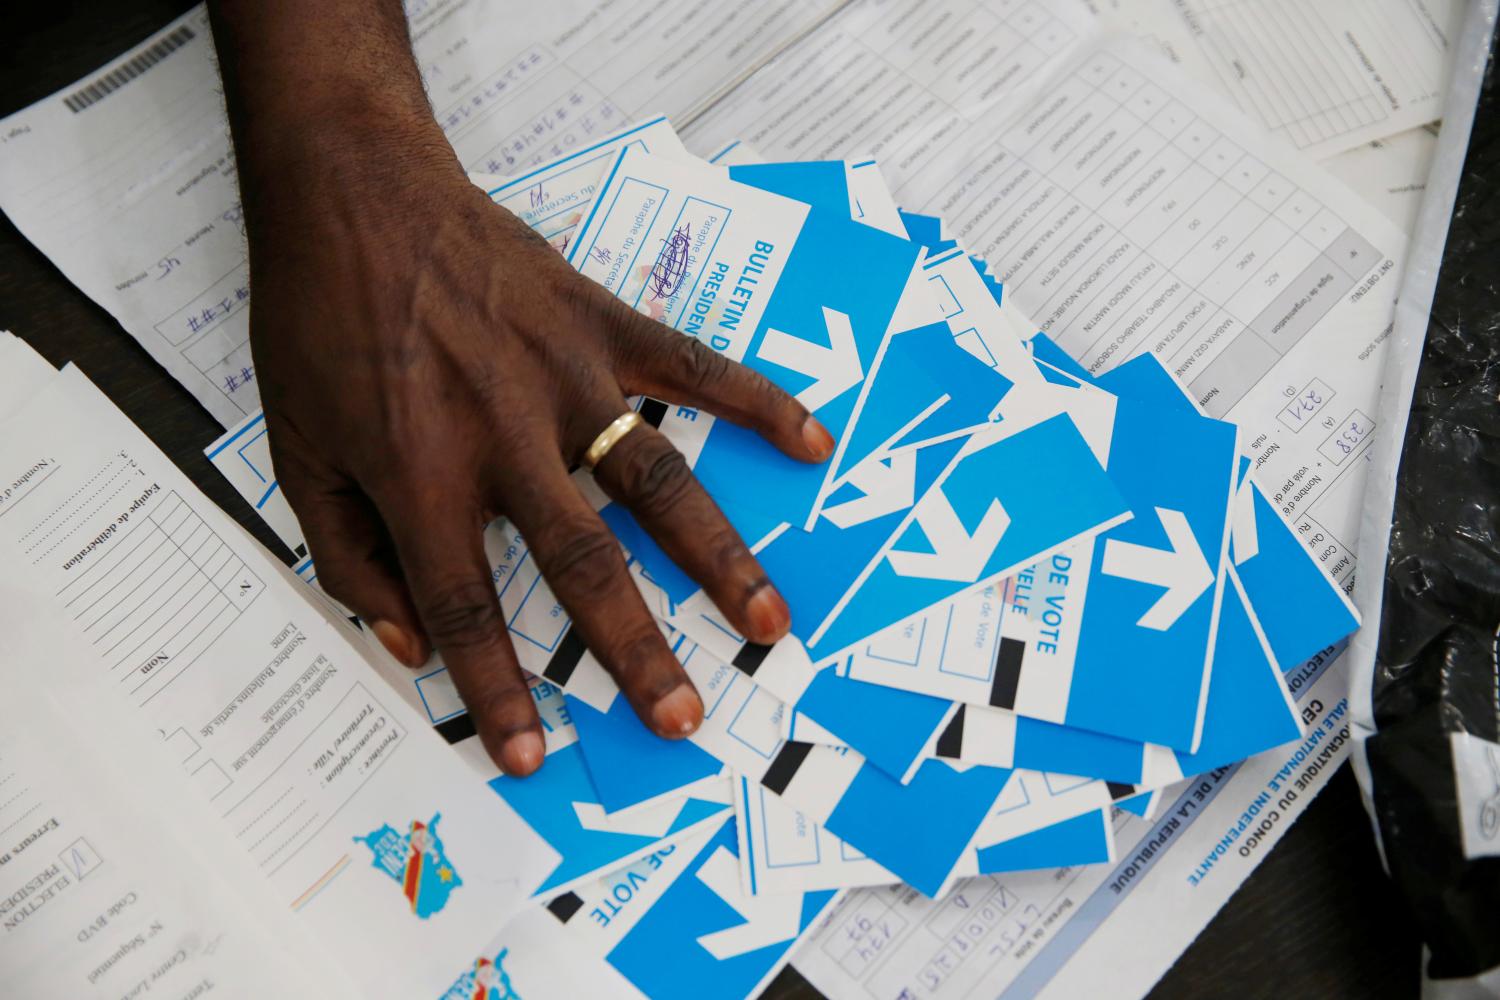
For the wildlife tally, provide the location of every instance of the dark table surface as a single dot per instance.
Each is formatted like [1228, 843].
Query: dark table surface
[1318, 918]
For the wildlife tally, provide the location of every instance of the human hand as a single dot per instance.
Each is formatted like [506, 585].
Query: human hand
[427, 363]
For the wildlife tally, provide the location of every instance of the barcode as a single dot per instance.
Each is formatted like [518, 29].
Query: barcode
[127, 71]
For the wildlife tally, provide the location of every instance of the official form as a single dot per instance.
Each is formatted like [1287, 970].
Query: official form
[1326, 76]
[320, 772]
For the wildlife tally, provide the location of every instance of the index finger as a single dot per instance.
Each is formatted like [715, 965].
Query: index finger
[655, 360]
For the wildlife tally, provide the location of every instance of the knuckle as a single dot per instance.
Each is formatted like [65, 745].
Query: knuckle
[696, 365]
[461, 615]
[336, 581]
[728, 553]
[584, 560]
[636, 658]
[503, 706]
[657, 479]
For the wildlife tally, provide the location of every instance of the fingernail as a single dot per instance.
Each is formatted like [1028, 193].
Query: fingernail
[522, 754]
[401, 644]
[817, 439]
[679, 713]
[769, 616]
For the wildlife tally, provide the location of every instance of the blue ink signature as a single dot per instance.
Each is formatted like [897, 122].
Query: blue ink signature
[671, 264]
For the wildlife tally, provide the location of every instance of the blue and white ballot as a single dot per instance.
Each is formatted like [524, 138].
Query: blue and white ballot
[981, 734]
[675, 924]
[1249, 708]
[561, 804]
[782, 850]
[1145, 595]
[1296, 599]
[977, 521]
[837, 788]
[1298, 604]
[803, 296]
[552, 198]
[892, 729]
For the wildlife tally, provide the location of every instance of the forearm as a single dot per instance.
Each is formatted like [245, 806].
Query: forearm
[313, 88]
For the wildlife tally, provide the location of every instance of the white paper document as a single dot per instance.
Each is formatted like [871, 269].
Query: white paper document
[1326, 76]
[110, 885]
[1390, 174]
[353, 812]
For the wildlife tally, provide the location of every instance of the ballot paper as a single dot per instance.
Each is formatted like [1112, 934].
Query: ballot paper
[1130, 211]
[553, 197]
[1078, 931]
[1326, 77]
[353, 814]
[127, 181]
[893, 729]
[784, 851]
[1291, 587]
[98, 896]
[560, 803]
[1146, 590]
[1247, 703]
[980, 734]
[1247, 709]
[756, 277]
[675, 924]
[837, 788]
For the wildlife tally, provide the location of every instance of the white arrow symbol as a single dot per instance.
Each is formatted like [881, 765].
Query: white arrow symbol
[1244, 534]
[956, 555]
[834, 369]
[887, 488]
[768, 919]
[652, 822]
[1182, 570]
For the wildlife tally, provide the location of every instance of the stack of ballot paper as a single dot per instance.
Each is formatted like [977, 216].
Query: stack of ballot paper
[1023, 594]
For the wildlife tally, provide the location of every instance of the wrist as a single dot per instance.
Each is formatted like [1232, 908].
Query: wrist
[351, 163]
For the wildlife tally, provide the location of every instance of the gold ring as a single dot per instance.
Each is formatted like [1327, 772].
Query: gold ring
[609, 437]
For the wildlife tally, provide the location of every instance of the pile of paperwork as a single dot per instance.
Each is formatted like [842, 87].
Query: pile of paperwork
[1024, 596]
[1100, 356]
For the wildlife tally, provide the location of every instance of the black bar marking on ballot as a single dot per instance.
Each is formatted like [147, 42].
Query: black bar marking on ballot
[1119, 790]
[456, 729]
[653, 411]
[951, 743]
[750, 657]
[564, 906]
[565, 660]
[788, 759]
[1007, 673]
